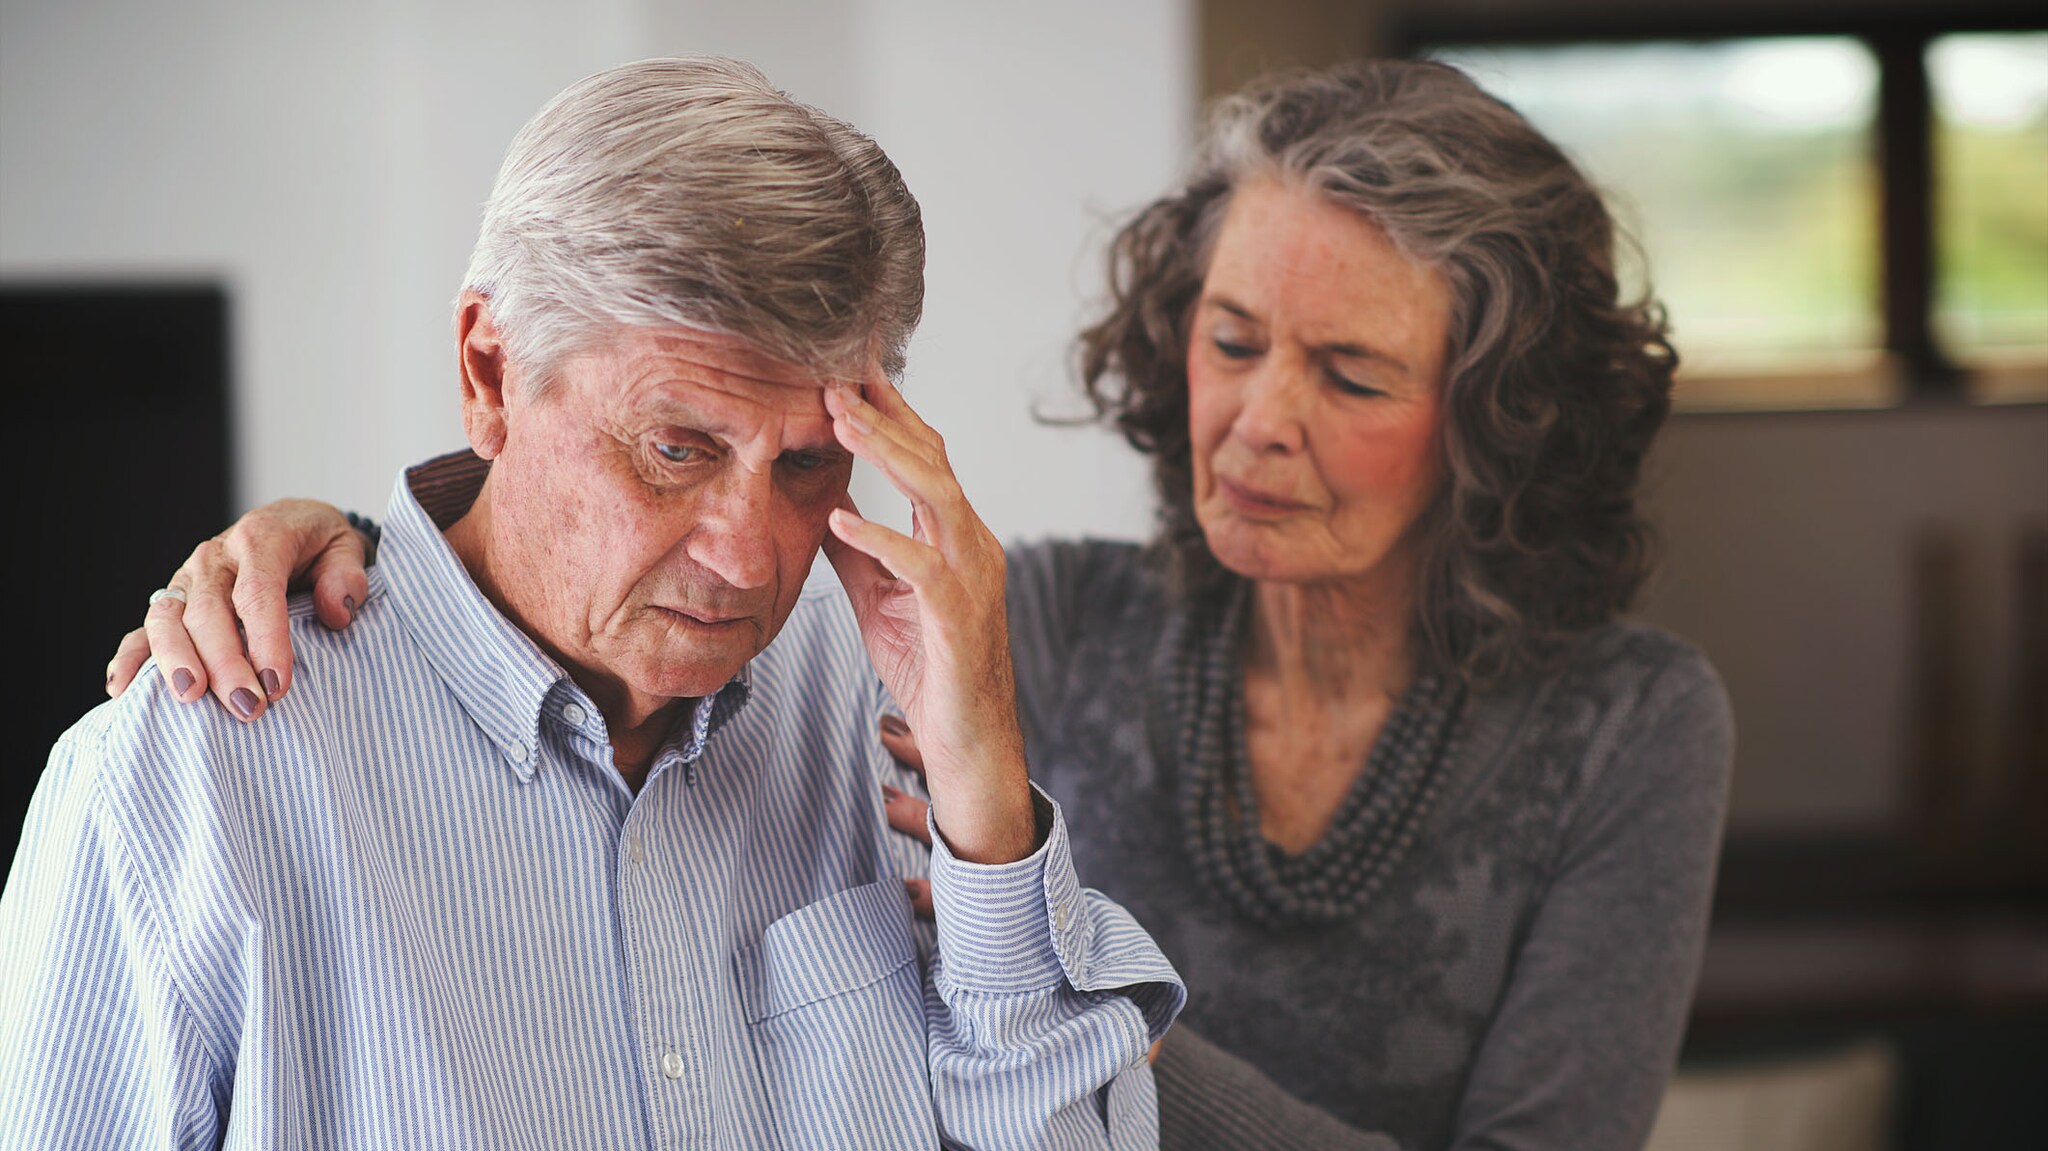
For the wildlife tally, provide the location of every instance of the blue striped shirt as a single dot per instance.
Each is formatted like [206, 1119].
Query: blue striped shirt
[416, 907]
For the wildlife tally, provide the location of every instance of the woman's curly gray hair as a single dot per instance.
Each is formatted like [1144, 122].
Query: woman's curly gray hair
[1555, 386]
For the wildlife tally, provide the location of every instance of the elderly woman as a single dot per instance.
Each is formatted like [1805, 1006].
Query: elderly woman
[1359, 738]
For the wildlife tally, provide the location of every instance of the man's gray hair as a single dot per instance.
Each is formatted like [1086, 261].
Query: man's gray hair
[690, 192]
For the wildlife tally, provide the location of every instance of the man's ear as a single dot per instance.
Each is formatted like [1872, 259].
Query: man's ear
[481, 356]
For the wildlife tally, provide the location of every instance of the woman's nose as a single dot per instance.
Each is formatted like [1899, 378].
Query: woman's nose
[1275, 412]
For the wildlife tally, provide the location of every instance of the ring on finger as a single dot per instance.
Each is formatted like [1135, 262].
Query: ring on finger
[164, 593]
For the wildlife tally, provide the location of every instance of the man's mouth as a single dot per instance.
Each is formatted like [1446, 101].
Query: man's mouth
[704, 619]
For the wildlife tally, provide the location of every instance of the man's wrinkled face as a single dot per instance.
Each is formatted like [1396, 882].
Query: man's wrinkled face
[663, 498]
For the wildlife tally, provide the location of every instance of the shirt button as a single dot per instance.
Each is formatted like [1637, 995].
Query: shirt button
[672, 1065]
[635, 849]
[573, 714]
[1059, 917]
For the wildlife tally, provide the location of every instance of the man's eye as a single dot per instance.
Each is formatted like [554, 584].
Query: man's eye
[806, 461]
[678, 453]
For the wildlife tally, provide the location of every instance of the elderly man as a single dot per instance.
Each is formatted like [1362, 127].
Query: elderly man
[553, 848]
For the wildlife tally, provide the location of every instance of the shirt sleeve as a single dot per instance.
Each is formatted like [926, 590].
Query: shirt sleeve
[1044, 1001]
[1587, 1031]
[98, 1046]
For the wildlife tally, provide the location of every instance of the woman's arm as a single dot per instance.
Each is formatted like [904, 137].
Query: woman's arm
[1586, 1034]
[1210, 1100]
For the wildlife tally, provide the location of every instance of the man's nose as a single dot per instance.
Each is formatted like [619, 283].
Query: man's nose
[734, 537]
[1276, 400]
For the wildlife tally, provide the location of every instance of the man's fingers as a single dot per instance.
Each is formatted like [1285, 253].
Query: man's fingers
[164, 628]
[889, 550]
[914, 465]
[905, 813]
[901, 744]
[128, 659]
[883, 395]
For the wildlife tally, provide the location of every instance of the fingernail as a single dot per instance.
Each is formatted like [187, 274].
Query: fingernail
[349, 602]
[181, 681]
[891, 793]
[244, 702]
[271, 683]
[894, 725]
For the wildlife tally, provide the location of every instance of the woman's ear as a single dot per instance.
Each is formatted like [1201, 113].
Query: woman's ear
[481, 360]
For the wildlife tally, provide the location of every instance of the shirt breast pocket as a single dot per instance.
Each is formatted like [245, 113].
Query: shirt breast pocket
[835, 1009]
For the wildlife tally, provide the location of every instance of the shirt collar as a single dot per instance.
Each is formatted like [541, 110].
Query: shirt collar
[496, 672]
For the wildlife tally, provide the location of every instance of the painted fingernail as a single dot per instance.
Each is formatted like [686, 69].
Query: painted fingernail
[271, 683]
[894, 725]
[181, 681]
[244, 702]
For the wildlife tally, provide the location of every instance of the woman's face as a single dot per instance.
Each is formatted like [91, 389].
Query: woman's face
[1315, 367]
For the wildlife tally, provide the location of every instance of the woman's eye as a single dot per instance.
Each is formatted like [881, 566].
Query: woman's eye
[1234, 350]
[1351, 387]
[678, 453]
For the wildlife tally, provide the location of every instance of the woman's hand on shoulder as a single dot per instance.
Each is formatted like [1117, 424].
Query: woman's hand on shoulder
[231, 633]
[906, 812]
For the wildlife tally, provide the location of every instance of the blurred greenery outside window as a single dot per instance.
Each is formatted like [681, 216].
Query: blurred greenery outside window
[1990, 127]
[1747, 170]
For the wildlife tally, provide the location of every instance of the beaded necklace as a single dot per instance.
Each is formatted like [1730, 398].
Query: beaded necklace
[1375, 825]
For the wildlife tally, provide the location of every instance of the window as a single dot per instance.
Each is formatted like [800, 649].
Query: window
[1743, 168]
[1990, 127]
[1833, 220]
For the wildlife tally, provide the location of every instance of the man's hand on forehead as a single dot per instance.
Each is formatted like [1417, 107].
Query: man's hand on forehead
[931, 611]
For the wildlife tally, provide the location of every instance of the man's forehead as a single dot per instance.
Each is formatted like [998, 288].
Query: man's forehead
[719, 384]
[719, 359]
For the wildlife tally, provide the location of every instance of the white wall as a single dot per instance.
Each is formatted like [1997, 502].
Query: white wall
[327, 162]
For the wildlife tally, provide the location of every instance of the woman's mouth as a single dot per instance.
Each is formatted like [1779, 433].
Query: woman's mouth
[1252, 503]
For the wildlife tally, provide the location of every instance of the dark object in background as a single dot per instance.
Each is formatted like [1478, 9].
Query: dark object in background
[117, 457]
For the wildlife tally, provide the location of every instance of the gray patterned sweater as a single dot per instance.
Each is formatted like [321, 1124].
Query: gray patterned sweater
[1522, 981]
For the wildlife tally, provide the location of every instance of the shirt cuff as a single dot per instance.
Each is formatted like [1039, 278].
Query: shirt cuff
[1009, 928]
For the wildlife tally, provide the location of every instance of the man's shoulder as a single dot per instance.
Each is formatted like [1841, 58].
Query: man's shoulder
[148, 731]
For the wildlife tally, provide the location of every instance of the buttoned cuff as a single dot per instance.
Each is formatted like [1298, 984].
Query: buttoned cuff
[1023, 927]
